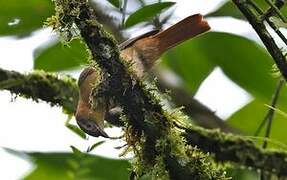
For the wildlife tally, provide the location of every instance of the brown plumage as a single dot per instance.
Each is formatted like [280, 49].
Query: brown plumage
[142, 52]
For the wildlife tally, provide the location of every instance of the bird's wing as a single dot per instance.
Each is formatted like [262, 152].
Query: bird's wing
[84, 74]
[131, 41]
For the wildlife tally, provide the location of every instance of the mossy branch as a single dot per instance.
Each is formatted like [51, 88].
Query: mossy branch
[199, 113]
[62, 91]
[149, 129]
[224, 147]
[236, 149]
[150, 123]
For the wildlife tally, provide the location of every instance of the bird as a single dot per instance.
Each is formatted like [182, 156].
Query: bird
[142, 53]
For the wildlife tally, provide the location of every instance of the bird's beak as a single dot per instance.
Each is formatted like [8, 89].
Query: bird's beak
[92, 128]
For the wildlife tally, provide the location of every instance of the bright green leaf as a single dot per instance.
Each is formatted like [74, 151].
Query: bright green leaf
[60, 57]
[227, 9]
[192, 68]
[147, 12]
[22, 17]
[242, 60]
[76, 130]
[116, 3]
[241, 174]
[249, 118]
[95, 145]
[68, 166]
[76, 151]
[230, 9]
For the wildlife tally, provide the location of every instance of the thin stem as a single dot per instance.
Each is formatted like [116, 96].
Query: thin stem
[270, 114]
[279, 4]
[257, 8]
[266, 16]
[276, 10]
[269, 118]
[265, 36]
[278, 32]
[123, 10]
[258, 130]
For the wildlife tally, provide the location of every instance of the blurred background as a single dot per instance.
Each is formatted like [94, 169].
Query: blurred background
[223, 78]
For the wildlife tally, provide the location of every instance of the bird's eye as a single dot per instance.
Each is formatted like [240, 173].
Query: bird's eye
[88, 125]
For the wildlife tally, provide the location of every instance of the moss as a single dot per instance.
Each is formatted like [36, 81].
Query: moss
[160, 151]
[58, 90]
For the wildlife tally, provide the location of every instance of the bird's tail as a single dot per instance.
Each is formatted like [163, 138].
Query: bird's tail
[181, 31]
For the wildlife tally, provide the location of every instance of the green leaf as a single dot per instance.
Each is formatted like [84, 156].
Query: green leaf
[68, 166]
[244, 62]
[192, 68]
[95, 145]
[147, 12]
[230, 9]
[60, 57]
[241, 174]
[116, 3]
[76, 151]
[249, 118]
[227, 9]
[22, 17]
[76, 130]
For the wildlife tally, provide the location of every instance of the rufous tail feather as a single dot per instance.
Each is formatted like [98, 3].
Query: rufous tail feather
[181, 31]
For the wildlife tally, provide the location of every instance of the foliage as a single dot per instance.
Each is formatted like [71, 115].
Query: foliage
[243, 61]
[75, 165]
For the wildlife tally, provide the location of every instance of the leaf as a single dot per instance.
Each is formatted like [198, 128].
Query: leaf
[192, 68]
[95, 145]
[60, 57]
[248, 119]
[116, 3]
[76, 151]
[147, 12]
[230, 9]
[241, 174]
[23, 17]
[77, 130]
[244, 62]
[227, 9]
[68, 166]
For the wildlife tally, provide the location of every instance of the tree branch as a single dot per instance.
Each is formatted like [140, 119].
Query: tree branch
[62, 91]
[264, 35]
[201, 114]
[224, 147]
[152, 124]
[149, 125]
[236, 149]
